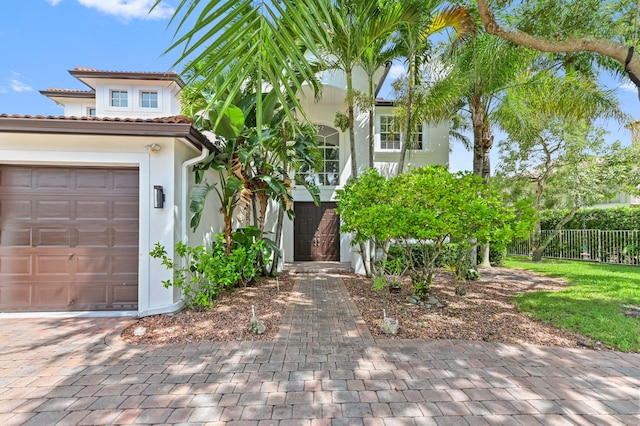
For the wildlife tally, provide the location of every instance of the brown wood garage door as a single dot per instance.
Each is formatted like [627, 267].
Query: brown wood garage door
[68, 238]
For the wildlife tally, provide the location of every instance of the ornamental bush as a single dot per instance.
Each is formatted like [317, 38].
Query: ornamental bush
[204, 271]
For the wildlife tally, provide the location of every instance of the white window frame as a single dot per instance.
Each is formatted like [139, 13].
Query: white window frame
[141, 94]
[137, 94]
[388, 118]
[111, 99]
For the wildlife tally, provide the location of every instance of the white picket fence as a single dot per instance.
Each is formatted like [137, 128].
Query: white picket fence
[594, 245]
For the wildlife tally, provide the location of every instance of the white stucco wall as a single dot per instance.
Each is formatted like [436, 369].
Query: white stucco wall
[159, 168]
[168, 99]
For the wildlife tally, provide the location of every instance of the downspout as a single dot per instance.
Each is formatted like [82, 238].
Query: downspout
[185, 190]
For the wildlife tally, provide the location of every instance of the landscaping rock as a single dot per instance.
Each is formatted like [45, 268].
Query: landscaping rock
[390, 326]
[413, 299]
[140, 331]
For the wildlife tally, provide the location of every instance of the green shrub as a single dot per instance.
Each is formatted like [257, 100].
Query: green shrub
[617, 218]
[203, 272]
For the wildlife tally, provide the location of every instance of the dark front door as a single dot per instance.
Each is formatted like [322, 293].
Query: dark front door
[316, 232]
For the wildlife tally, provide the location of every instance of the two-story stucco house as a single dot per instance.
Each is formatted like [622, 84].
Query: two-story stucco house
[86, 195]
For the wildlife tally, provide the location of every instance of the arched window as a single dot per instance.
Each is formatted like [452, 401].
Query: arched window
[329, 173]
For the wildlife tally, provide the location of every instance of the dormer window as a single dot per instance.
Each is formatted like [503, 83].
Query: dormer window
[148, 99]
[118, 98]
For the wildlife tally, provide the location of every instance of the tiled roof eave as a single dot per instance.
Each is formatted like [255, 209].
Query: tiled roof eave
[176, 126]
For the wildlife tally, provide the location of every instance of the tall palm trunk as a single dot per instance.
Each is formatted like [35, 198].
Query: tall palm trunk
[407, 123]
[352, 135]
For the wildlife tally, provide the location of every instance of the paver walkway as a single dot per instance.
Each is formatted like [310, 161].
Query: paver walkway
[324, 368]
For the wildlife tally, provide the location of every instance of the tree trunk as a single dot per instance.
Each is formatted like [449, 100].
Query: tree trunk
[371, 118]
[539, 248]
[618, 51]
[486, 260]
[273, 270]
[352, 137]
[477, 120]
[407, 123]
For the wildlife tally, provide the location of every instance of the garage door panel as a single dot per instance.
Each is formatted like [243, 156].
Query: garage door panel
[92, 265]
[51, 295]
[51, 237]
[91, 295]
[127, 263]
[16, 209]
[98, 237]
[14, 265]
[79, 248]
[92, 179]
[16, 179]
[52, 264]
[15, 237]
[52, 178]
[92, 210]
[125, 182]
[125, 295]
[126, 237]
[15, 296]
[49, 210]
[125, 210]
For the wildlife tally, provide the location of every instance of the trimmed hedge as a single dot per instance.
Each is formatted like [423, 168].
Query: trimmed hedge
[617, 218]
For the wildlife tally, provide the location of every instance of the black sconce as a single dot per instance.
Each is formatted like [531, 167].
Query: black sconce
[158, 199]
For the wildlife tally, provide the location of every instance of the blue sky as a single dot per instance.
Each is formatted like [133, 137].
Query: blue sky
[42, 39]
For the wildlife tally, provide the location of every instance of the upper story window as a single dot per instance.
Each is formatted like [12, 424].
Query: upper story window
[328, 173]
[118, 98]
[390, 135]
[148, 99]
[389, 138]
[91, 112]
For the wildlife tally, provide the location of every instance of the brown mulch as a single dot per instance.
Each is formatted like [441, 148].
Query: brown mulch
[485, 313]
[227, 321]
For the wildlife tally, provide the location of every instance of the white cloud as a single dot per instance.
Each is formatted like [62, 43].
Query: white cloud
[396, 71]
[129, 9]
[17, 85]
[52, 2]
[628, 86]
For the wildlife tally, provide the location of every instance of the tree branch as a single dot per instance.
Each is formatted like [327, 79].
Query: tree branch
[604, 47]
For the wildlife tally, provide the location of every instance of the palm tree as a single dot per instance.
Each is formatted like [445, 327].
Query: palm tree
[411, 43]
[263, 41]
[358, 26]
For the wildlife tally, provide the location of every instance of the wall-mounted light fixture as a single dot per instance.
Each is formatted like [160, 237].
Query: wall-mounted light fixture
[153, 147]
[158, 197]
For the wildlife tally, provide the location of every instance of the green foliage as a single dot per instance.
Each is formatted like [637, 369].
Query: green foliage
[420, 211]
[472, 275]
[378, 283]
[204, 272]
[616, 218]
[593, 305]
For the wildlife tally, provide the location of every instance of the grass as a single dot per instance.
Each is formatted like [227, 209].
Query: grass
[593, 305]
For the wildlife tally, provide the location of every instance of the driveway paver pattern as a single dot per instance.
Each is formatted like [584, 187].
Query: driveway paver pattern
[324, 368]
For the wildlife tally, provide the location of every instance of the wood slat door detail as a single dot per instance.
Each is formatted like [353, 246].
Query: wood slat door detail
[316, 232]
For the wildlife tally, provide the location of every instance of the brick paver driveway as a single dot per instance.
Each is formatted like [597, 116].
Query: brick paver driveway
[325, 368]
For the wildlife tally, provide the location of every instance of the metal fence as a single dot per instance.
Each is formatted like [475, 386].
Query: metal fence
[594, 245]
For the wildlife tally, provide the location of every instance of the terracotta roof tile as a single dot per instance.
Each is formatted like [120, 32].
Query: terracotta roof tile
[83, 69]
[176, 119]
[53, 89]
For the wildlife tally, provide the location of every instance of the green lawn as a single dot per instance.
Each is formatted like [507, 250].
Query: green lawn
[594, 305]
